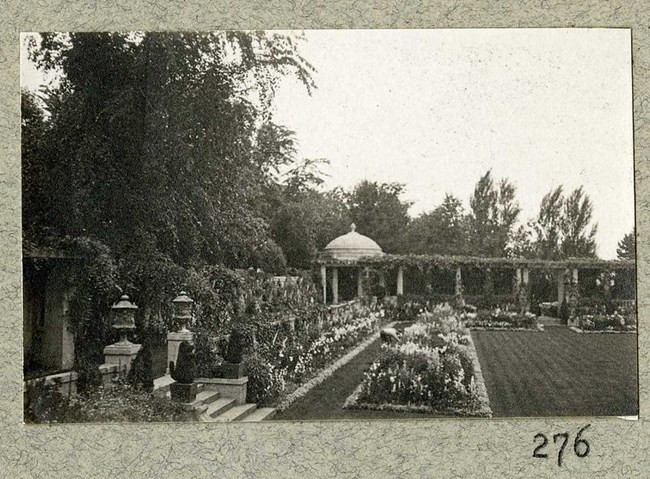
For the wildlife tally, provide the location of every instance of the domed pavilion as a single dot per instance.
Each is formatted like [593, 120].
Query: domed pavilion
[346, 254]
[352, 246]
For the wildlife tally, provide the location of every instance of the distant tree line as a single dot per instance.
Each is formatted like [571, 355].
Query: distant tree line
[163, 149]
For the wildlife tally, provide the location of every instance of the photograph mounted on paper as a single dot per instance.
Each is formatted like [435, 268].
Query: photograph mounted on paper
[238, 226]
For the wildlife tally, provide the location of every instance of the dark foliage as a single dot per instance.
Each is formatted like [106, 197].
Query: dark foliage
[141, 373]
[236, 345]
[184, 370]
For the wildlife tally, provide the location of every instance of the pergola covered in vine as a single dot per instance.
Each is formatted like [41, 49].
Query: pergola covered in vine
[358, 264]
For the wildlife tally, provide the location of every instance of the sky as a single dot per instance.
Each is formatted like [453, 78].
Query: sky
[435, 109]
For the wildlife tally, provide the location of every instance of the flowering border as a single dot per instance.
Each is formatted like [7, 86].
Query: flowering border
[352, 401]
[327, 372]
[537, 329]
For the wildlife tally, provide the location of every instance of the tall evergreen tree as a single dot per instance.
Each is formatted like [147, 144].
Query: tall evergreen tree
[578, 232]
[564, 225]
[494, 212]
[549, 225]
[627, 246]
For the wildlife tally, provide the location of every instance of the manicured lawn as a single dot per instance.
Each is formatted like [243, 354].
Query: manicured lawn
[559, 372]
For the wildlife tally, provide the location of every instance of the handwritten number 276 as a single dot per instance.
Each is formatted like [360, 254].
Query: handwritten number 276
[581, 447]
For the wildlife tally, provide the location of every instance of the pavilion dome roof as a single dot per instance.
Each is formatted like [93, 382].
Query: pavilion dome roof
[352, 246]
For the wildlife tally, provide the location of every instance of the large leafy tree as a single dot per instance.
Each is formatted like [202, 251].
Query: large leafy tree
[153, 141]
[627, 246]
[379, 212]
[441, 231]
[494, 212]
[305, 224]
[302, 218]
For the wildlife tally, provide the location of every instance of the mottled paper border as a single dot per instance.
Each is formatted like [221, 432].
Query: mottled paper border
[421, 448]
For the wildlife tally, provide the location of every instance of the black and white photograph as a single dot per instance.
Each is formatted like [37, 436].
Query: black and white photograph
[310, 225]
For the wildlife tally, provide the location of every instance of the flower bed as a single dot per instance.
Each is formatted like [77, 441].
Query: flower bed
[501, 320]
[327, 372]
[605, 323]
[432, 370]
[281, 365]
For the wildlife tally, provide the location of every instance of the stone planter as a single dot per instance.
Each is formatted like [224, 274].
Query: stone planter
[232, 370]
[183, 393]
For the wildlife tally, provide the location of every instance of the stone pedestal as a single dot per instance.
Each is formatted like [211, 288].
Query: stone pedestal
[183, 393]
[232, 370]
[173, 342]
[110, 372]
[122, 353]
[228, 388]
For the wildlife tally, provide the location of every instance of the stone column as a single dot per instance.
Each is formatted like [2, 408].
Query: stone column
[458, 287]
[560, 286]
[323, 282]
[517, 279]
[574, 292]
[382, 280]
[400, 281]
[335, 285]
[359, 283]
[522, 289]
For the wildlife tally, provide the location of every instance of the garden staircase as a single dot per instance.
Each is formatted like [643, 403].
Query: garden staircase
[209, 406]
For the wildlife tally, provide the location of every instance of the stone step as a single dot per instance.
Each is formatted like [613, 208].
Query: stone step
[236, 413]
[220, 406]
[260, 414]
[161, 386]
[205, 398]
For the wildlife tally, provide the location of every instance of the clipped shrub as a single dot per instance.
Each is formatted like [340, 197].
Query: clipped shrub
[236, 344]
[184, 370]
[141, 373]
